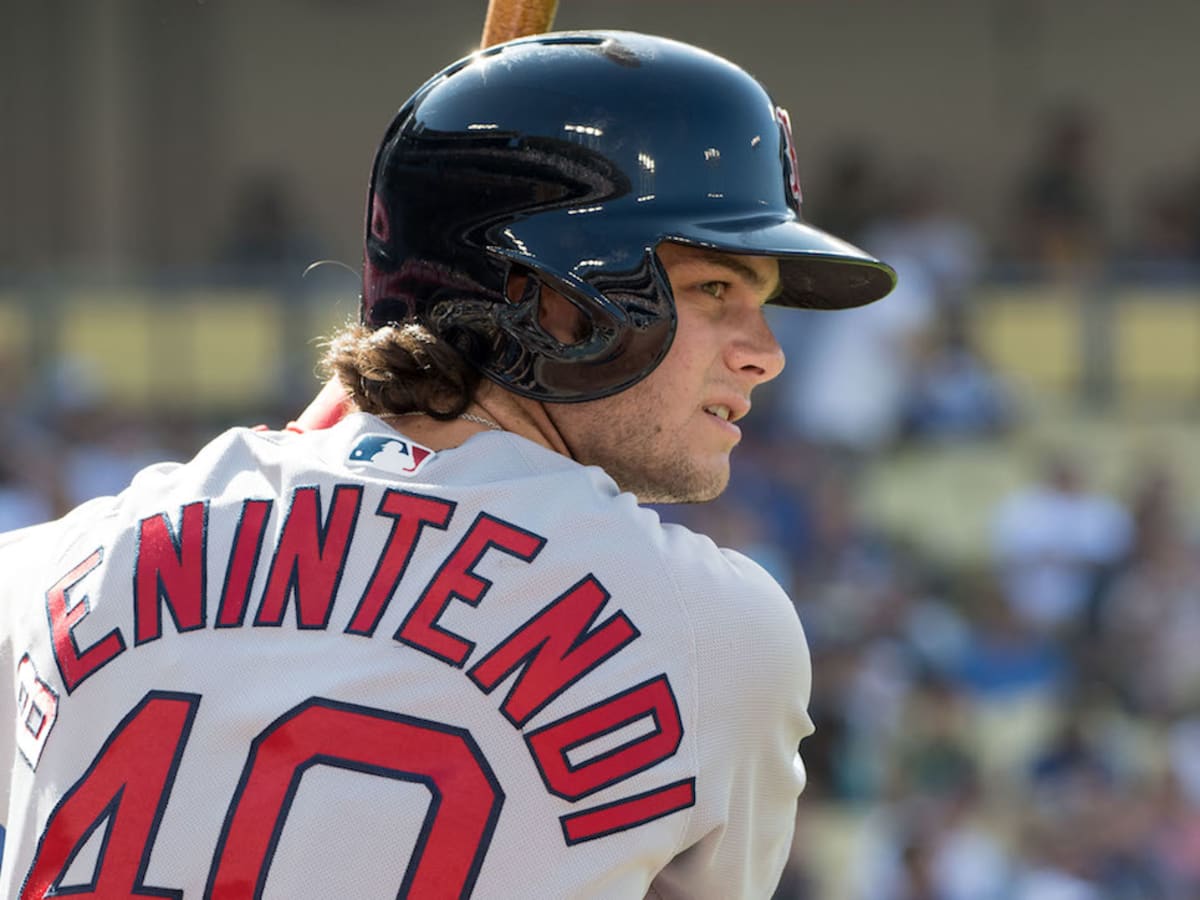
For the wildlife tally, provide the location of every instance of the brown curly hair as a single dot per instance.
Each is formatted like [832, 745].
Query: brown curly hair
[400, 368]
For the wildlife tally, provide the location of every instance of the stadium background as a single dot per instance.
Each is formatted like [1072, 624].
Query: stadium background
[981, 493]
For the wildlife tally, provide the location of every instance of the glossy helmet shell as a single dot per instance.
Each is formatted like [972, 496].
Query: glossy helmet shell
[569, 157]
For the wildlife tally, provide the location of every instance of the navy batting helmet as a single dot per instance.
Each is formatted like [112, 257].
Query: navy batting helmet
[569, 157]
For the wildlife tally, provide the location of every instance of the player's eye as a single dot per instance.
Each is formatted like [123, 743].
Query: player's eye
[715, 288]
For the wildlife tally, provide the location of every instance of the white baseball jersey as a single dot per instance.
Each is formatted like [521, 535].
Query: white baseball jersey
[339, 664]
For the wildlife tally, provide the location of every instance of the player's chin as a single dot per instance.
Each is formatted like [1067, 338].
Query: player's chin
[716, 482]
[706, 480]
[692, 481]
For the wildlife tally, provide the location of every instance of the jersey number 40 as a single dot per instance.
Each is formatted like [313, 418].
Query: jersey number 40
[127, 786]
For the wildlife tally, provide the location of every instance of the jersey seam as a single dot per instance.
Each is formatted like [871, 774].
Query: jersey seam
[529, 464]
[694, 672]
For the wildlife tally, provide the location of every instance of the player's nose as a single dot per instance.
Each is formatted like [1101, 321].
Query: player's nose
[753, 351]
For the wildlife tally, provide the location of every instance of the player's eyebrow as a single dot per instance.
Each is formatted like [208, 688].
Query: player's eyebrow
[741, 269]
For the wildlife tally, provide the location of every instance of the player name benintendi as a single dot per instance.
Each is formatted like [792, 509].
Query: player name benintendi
[555, 648]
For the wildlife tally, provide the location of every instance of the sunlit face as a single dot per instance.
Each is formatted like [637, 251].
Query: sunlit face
[668, 438]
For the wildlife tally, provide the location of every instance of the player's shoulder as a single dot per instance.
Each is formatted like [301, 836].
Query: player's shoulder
[705, 579]
[27, 556]
[245, 461]
[747, 640]
[18, 543]
[724, 577]
[732, 606]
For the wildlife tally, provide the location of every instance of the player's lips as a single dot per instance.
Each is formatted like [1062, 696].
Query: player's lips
[726, 414]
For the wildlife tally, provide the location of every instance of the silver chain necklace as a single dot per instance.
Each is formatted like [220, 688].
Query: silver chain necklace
[478, 420]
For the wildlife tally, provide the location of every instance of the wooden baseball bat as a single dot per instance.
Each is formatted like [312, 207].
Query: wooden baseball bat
[510, 19]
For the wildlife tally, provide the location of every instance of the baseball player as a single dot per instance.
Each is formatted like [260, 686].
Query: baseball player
[437, 649]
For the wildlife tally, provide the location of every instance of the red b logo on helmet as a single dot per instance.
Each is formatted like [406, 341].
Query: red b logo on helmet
[792, 165]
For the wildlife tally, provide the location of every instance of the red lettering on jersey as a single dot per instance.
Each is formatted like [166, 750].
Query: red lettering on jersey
[170, 571]
[73, 664]
[412, 513]
[465, 802]
[457, 579]
[628, 812]
[243, 560]
[309, 557]
[124, 791]
[556, 649]
[550, 745]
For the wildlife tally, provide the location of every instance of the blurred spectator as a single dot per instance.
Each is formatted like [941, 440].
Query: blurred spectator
[923, 229]
[1192, 189]
[955, 394]
[1094, 828]
[1123, 832]
[266, 236]
[1166, 243]
[1149, 630]
[932, 848]
[933, 748]
[27, 469]
[849, 390]
[22, 503]
[1069, 769]
[1060, 221]
[849, 383]
[96, 449]
[1056, 541]
[831, 754]
[971, 860]
[1175, 838]
[851, 196]
[1183, 748]
[1154, 505]
[1005, 658]
[796, 884]
[848, 557]
[800, 879]
[1056, 863]
[102, 452]
[775, 482]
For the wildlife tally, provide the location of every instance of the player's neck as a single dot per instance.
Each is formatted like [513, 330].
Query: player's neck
[438, 434]
[494, 409]
[520, 415]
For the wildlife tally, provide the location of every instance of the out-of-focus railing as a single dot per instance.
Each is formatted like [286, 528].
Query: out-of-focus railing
[1129, 338]
[215, 347]
[220, 346]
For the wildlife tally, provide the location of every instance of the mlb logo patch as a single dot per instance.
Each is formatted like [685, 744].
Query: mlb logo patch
[391, 454]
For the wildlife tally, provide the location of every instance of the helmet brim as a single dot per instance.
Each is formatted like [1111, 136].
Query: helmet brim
[817, 270]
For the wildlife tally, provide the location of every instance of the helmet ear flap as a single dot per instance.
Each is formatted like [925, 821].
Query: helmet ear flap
[557, 316]
[659, 272]
[561, 338]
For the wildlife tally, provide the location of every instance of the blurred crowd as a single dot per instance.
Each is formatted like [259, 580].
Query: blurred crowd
[1023, 727]
[1055, 217]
